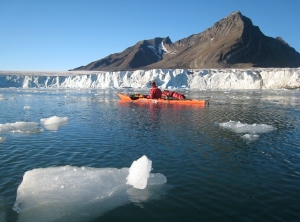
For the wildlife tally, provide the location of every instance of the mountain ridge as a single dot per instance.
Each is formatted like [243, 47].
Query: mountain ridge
[232, 42]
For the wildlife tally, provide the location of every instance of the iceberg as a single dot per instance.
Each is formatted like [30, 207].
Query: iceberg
[199, 79]
[70, 193]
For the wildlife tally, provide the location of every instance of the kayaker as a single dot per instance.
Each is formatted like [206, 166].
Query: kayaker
[155, 93]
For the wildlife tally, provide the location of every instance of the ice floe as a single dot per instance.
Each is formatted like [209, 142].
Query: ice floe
[21, 127]
[250, 131]
[238, 127]
[69, 193]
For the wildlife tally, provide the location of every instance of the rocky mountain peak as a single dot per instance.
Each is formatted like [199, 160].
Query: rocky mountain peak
[232, 42]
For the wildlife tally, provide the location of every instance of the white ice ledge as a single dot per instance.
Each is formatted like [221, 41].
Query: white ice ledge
[201, 79]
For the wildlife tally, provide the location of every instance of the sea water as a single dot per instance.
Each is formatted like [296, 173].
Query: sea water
[66, 156]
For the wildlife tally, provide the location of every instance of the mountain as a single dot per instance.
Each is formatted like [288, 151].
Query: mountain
[232, 42]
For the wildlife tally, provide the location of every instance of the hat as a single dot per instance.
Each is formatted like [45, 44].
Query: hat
[152, 83]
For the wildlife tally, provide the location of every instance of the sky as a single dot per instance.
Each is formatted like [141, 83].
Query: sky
[58, 35]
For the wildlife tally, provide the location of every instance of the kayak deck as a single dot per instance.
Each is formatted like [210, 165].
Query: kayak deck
[127, 97]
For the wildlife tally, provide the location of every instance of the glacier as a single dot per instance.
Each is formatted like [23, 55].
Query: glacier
[196, 79]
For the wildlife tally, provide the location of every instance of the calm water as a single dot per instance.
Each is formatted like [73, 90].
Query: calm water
[213, 174]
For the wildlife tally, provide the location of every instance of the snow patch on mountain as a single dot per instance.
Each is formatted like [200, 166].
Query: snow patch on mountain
[166, 51]
[158, 52]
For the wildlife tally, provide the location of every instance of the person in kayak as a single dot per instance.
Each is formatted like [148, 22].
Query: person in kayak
[155, 93]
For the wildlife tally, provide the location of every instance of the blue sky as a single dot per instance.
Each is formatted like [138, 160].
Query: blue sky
[58, 35]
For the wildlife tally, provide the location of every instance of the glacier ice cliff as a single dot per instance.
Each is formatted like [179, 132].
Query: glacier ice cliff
[200, 79]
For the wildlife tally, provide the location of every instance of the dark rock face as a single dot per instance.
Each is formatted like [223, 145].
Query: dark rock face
[232, 42]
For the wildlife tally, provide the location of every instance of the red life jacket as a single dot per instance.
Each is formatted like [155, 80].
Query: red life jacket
[155, 93]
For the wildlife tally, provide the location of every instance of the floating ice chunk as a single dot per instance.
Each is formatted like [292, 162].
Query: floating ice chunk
[239, 127]
[52, 123]
[139, 173]
[67, 184]
[2, 138]
[26, 107]
[70, 193]
[20, 127]
[250, 137]
[54, 120]
[156, 179]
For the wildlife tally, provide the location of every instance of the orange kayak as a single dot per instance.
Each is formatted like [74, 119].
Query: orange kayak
[136, 98]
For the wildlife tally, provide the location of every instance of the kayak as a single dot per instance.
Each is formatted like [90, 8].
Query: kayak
[139, 98]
